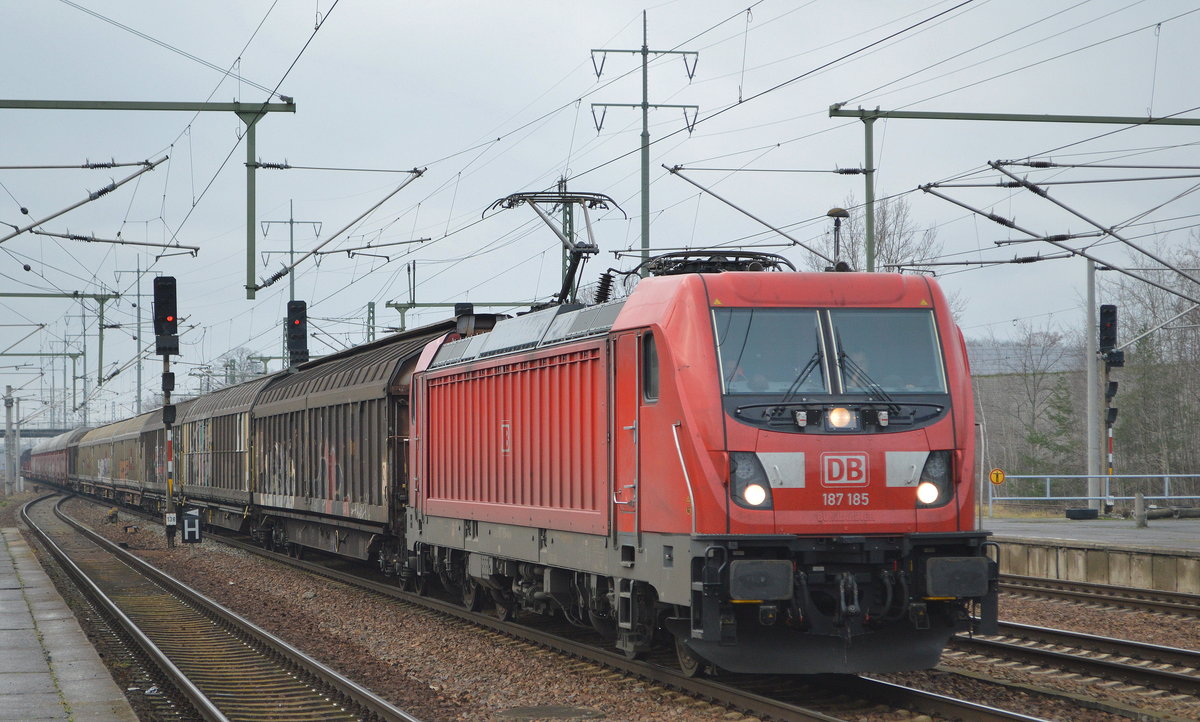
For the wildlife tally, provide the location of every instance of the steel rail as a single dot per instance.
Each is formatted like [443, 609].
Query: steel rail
[728, 693]
[1148, 665]
[354, 694]
[1174, 656]
[737, 691]
[750, 702]
[199, 700]
[1129, 597]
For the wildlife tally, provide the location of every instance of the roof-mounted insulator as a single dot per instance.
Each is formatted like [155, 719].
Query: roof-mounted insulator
[604, 287]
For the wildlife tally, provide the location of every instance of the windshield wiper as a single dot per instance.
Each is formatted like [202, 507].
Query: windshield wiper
[860, 374]
[802, 376]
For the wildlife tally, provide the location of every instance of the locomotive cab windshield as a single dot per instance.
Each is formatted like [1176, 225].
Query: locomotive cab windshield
[808, 368]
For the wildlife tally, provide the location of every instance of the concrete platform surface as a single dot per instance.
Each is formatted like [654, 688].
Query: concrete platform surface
[1166, 534]
[1165, 555]
[48, 668]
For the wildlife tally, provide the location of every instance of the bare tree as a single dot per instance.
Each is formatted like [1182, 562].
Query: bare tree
[1030, 399]
[898, 237]
[1159, 398]
[234, 367]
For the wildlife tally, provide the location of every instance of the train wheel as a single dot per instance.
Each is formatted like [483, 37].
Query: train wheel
[605, 626]
[473, 595]
[506, 612]
[506, 605]
[691, 665]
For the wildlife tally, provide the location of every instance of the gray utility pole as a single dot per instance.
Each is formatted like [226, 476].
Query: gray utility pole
[100, 298]
[17, 447]
[83, 348]
[868, 117]
[137, 335]
[645, 105]
[1093, 391]
[250, 113]
[291, 222]
[10, 467]
[265, 359]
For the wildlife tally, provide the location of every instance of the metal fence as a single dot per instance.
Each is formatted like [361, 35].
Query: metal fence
[1118, 489]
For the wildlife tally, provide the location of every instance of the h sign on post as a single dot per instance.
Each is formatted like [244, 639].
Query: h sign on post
[191, 526]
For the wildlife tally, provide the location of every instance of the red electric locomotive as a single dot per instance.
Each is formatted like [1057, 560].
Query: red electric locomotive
[774, 468]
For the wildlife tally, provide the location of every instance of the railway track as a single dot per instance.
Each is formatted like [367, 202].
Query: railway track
[831, 697]
[824, 699]
[1135, 663]
[223, 666]
[1151, 600]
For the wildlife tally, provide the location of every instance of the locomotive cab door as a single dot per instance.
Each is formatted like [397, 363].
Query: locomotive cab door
[626, 448]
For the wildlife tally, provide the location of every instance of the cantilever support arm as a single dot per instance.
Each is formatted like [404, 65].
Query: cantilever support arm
[416, 173]
[1007, 223]
[147, 166]
[675, 170]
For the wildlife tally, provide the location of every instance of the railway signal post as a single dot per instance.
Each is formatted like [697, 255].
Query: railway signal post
[1113, 358]
[166, 343]
[297, 332]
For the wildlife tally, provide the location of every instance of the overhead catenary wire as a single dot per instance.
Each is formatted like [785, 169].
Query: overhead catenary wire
[955, 56]
[86, 165]
[805, 246]
[120, 242]
[1108, 230]
[168, 46]
[288, 166]
[1051, 164]
[441, 217]
[1007, 223]
[1086, 181]
[784, 84]
[837, 171]
[94, 195]
[196, 201]
[415, 174]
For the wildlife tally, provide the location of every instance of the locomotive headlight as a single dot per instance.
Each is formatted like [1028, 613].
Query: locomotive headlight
[755, 494]
[748, 481]
[935, 487]
[927, 492]
[840, 418]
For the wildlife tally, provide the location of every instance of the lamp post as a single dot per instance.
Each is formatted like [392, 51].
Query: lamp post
[837, 214]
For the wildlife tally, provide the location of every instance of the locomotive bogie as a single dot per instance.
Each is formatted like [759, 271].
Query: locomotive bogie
[654, 561]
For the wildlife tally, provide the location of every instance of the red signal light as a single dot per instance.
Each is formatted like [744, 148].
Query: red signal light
[295, 322]
[170, 318]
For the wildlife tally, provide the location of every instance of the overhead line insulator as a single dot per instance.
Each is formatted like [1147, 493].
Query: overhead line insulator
[103, 191]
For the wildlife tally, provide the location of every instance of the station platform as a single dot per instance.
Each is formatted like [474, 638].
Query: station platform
[48, 669]
[1164, 555]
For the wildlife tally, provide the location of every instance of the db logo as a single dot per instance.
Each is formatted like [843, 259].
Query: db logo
[844, 469]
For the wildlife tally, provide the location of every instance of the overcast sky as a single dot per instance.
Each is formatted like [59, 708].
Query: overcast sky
[496, 98]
